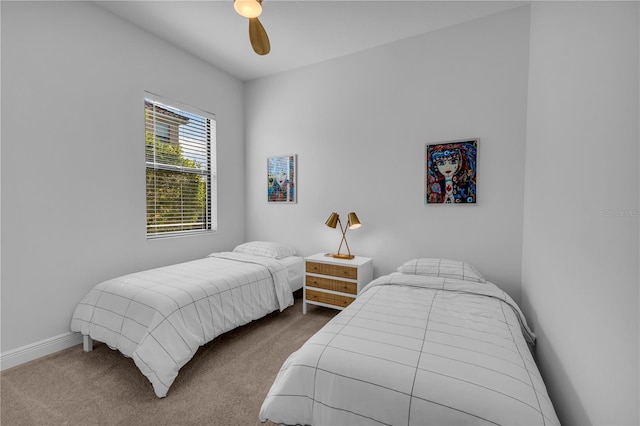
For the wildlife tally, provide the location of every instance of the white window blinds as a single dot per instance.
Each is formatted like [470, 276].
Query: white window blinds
[180, 175]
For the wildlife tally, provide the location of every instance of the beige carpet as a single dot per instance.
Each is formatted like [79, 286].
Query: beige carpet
[224, 384]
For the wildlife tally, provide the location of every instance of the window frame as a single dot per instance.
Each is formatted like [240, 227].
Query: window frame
[209, 220]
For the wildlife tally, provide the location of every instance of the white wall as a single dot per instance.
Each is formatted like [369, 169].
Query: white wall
[73, 199]
[580, 258]
[359, 125]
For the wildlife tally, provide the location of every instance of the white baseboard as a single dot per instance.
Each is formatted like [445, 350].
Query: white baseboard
[39, 349]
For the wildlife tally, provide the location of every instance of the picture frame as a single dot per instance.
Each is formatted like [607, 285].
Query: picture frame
[281, 179]
[451, 170]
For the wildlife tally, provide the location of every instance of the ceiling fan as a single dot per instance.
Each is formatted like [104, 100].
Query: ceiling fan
[252, 9]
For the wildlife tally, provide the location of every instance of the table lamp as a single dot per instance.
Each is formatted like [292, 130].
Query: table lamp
[352, 223]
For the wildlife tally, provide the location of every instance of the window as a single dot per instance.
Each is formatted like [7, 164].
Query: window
[162, 131]
[180, 170]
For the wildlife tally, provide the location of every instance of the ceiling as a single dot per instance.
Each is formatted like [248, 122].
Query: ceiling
[301, 32]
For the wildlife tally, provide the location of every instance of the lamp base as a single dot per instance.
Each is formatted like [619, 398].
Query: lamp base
[340, 256]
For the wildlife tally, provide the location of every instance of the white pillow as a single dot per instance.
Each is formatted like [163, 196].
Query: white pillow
[444, 268]
[266, 249]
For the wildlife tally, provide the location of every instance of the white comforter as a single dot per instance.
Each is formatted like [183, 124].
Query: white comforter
[415, 350]
[161, 316]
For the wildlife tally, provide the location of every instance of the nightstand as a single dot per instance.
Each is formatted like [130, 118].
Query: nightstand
[332, 282]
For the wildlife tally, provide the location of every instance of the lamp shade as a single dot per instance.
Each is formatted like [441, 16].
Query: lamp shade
[332, 222]
[248, 8]
[354, 222]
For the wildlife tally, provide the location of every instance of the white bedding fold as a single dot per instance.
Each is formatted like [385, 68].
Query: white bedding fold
[161, 316]
[461, 286]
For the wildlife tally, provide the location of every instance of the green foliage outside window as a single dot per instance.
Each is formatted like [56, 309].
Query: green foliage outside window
[176, 189]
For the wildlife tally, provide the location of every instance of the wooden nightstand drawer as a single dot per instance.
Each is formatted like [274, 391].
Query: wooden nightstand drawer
[329, 284]
[329, 298]
[333, 270]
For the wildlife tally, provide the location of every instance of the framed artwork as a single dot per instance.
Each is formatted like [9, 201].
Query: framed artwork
[281, 179]
[451, 172]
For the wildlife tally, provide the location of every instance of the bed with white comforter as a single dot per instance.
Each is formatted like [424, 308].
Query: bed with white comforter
[161, 316]
[422, 347]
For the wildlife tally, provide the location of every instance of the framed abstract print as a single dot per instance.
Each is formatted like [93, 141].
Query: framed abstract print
[451, 172]
[281, 179]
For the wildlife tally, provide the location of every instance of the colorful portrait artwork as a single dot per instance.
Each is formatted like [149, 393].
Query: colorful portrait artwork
[451, 169]
[281, 179]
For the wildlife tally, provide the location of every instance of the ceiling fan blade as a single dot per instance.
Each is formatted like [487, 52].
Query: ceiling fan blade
[258, 37]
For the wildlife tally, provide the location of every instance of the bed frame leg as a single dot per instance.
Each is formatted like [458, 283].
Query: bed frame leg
[87, 343]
